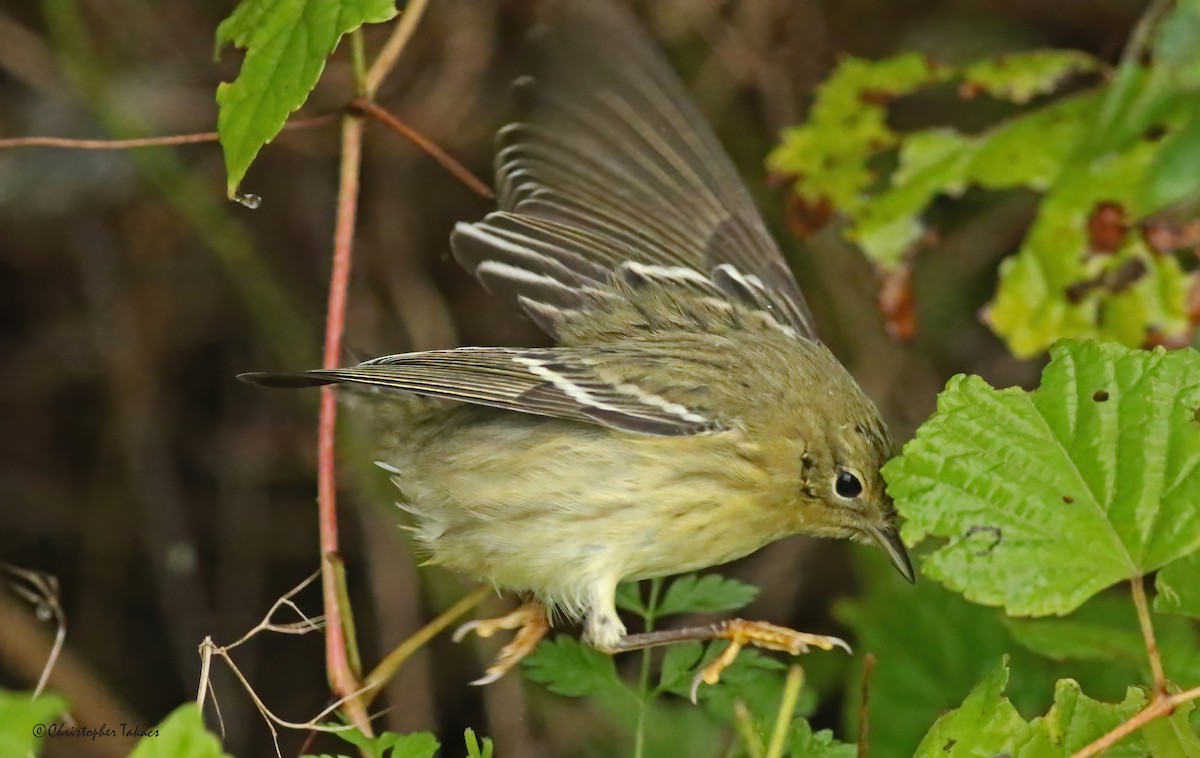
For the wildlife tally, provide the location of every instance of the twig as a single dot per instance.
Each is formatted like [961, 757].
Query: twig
[1143, 614]
[787, 707]
[864, 718]
[42, 593]
[386, 669]
[390, 52]
[1160, 706]
[126, 144]
[424, 144]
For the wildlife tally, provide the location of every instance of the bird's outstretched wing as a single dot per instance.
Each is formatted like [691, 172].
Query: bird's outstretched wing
[591, 385]
[613, 166]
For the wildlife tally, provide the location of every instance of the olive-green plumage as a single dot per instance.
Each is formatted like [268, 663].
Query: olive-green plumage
[689, 415]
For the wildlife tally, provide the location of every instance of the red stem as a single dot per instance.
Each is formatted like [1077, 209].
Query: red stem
[341, 678]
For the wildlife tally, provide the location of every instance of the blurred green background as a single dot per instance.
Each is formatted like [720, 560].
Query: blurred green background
[173, 502]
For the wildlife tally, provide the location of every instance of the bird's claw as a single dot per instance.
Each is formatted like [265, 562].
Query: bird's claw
[760, 634]
[531, 624]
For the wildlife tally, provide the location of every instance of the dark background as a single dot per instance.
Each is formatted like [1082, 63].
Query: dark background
[172, 502]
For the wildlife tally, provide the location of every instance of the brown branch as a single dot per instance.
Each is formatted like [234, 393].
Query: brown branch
[1160, 706]
[126, 144]
[424, 144]
[1143, 614]
[864, 723]
[390, 53]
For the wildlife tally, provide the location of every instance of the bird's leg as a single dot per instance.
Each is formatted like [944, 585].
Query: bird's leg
[740, 633]
[531, 623]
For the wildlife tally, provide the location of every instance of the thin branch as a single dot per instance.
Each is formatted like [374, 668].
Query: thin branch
[1158, 707]
[864, 718]
[390, 53]
[424, 144]
[42, 593]
[1143, 614]
[743, 721]
[388, 667]
[126, 144]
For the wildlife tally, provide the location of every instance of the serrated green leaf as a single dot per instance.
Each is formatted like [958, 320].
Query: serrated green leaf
[568, 667]
[1095, 473]
[1026, 152]
[20, 716]
[804, 743]
[709, 593]
[679, 665]
[286, 43]
[847, 125]
[391, 744]
[629, 598]
[1020, 77]
[932, 646]
[1178, 586]
[1033, 307]
[181, 734]
[1174, 736]
[987, 724]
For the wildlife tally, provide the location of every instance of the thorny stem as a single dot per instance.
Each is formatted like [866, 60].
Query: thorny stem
[1143, 614]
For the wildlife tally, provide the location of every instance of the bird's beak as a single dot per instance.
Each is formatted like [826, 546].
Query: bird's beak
[888, 538]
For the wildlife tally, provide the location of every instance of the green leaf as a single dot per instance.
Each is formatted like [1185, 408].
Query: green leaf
[1020, 77]
[473, 748]
[1095, 473]
[985, 724]
[24, 719]
[286, 43]
[568, 667]
[804, 743]
[679, 666]
[1173, 177]
[708, 593]
[629, 598]
[1034, 304]
[1177, 44]
[181, 734]
[1026, 152]
[1174, 736]
[391, 744]
[847, 125]
[1178, 586]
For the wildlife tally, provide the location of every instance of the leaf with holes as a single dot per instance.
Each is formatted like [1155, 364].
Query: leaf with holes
[1020, 77]
[1047, 497]
[286, 43]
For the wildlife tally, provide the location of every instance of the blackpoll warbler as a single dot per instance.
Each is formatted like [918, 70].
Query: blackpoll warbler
[689, 415]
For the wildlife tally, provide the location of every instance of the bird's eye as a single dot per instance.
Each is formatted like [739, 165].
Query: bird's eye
[847, 485]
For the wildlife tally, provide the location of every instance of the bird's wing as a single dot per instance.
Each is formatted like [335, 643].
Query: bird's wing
[591, 385]
[614, 165]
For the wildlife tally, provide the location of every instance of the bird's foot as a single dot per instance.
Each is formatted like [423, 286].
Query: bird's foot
[740, 633]
[531, 624]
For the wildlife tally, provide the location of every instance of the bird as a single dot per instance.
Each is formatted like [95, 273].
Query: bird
[687, 415]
